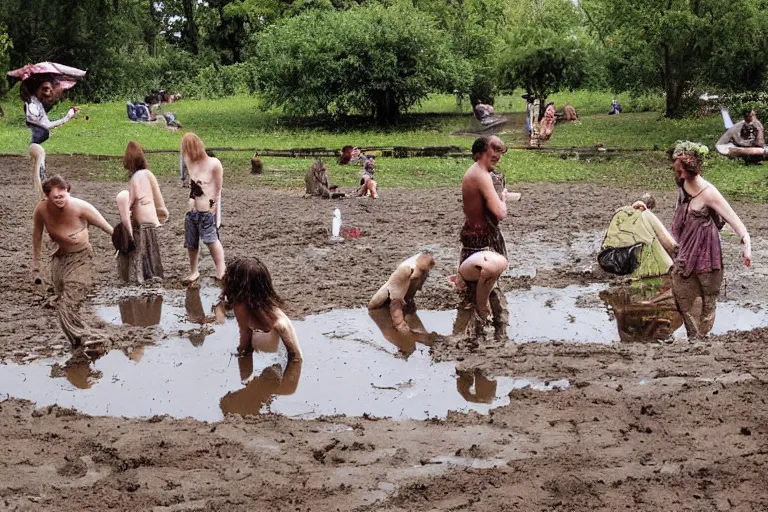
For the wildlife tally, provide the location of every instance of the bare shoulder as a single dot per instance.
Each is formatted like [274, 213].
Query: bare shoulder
[282, 322]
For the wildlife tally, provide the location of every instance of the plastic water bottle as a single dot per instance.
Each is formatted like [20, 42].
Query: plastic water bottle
[336, 223]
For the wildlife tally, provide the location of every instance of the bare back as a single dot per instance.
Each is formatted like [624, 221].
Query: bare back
[479, 197]
[145, 198]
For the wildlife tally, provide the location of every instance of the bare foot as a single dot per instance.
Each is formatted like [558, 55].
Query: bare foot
[192, 278]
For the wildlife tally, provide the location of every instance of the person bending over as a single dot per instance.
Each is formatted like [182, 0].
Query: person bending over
[401, 288]
[248, 290]
[142, 209]
[203, 218]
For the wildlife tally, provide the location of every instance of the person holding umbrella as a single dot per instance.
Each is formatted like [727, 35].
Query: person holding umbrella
[42, 86]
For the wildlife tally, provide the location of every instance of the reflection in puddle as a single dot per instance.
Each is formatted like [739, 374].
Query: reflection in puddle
[347, 370]
[142, 311]
[644, 310]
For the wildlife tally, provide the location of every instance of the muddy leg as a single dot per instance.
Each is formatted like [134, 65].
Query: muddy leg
[710, 289]
[217, 253]
[686, 291]
[499, 307]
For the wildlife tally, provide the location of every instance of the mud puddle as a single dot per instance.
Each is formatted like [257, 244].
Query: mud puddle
[350, 367]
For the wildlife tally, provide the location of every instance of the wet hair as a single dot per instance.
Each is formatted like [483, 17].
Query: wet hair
[55, 181]
[193, 148]
[134, 158]
[480, 146]
[691, 162]
[649, 200]
[247, 280]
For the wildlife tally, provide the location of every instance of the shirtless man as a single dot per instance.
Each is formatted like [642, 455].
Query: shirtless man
[67, 219]
[141, 210]
[203, 217]
[484, 253]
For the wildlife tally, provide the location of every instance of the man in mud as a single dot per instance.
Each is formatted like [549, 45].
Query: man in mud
[203, 218]
[483, 255]
[67, 220]
[142, 209]
[316, 182]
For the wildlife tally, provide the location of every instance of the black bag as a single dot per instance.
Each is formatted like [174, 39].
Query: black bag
[620, 260]
[121, 240]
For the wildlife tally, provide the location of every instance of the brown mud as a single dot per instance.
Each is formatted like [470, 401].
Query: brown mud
[642, 426]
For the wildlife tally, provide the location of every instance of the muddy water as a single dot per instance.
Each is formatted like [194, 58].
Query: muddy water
[350, 368]
[355, 363]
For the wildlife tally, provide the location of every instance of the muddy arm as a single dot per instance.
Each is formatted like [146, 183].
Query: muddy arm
[157, 195]
[94, 218]
[497, 205]
[717, 202]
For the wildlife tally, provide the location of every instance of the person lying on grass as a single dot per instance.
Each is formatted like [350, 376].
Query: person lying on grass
[248, 290]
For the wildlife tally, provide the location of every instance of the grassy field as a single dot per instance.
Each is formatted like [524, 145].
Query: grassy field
[239, 123]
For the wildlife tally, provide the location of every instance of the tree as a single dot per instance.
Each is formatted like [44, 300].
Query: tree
[546, 52]
[374, 59]
[676, 45]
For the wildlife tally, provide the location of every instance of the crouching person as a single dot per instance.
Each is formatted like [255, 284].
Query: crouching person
[317, 182]
[142, 209]
[401, 288]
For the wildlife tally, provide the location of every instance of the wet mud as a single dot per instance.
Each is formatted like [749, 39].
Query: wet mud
[659, 424]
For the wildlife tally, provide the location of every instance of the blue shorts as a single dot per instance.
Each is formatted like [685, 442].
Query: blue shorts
[199, 225]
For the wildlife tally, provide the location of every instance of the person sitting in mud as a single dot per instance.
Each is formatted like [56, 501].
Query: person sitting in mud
[700, 213]
[569, 114]
[39, 94]
[316, 182]
[204, 215]
[401, 287]
[67, 220]
[483, 255]
[547, 122]
[367, 180]
[744, 139]
[142, 209]
[248, 291]
[637, 243]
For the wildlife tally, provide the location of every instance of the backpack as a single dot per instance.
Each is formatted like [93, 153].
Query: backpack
[621, 261]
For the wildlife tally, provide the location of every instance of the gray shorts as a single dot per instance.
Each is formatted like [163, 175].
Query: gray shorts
[199, 225]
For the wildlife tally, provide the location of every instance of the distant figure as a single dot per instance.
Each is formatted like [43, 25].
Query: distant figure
[346, 155]
[745, 138]
[367, 180]
[569, 114]
[257, 167]
[483, 112]
[401, 288]
[67, 220]
[142, 210]
[547, 122]
[615, 108]
[700, 214]
[248, 290]
[316, 182]
[637, 243]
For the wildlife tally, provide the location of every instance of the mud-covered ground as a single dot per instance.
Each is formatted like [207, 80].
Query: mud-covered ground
[675, 426]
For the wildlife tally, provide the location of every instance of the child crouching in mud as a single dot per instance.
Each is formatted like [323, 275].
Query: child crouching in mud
[248, 290]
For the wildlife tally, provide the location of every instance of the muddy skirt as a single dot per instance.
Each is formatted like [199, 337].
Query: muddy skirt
[143, 263]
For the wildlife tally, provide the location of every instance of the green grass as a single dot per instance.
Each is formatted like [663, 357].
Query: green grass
[237, 122]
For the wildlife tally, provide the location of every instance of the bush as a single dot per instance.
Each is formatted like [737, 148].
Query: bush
[373, 59]
[221, 81]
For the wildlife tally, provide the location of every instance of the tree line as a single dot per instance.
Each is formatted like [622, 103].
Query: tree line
[380, 57]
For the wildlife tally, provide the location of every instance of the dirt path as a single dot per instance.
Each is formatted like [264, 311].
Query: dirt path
[642, 426]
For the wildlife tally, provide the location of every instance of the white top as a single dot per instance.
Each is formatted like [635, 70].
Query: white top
[36, 115]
